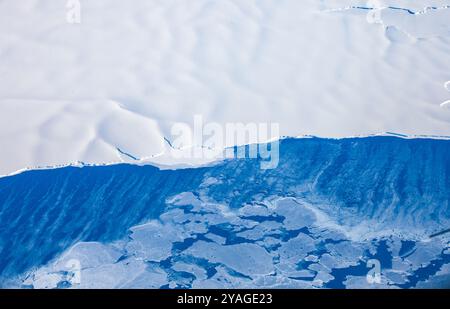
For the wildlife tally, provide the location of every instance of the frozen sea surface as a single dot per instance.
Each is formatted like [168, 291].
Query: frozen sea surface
[319, 220]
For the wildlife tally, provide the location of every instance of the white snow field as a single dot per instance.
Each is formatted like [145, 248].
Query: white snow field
[109, 88]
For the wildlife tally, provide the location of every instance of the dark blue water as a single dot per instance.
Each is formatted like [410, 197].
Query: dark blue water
[425, 272]
[407, 248]
[383, 255]
[389, 179]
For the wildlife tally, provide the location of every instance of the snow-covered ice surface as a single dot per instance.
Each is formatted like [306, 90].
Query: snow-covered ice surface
[79, 92]
[319, 220]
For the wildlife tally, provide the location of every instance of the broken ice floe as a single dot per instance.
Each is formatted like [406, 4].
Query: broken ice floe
[205, 245]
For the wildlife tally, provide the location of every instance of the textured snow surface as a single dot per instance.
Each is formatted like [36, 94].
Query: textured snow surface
[121, 78]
